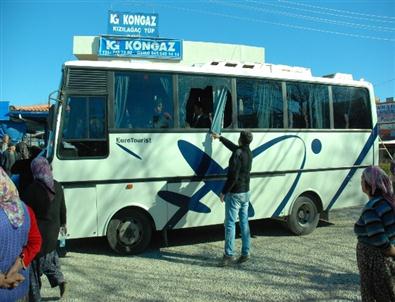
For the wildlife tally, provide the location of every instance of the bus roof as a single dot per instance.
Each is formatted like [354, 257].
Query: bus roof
[225, 68]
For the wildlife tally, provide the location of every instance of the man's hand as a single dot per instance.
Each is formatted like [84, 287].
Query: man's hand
[390, 251]
[215, 135]
[221, 197]
[63, 229]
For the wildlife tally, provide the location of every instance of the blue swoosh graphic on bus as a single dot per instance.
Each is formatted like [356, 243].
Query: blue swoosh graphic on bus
[129, 151]
[266, 146]
[369, 143]
[203, 165]
[284, 202]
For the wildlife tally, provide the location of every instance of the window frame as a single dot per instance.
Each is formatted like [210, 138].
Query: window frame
[311, 84]
[262, 80]
[61, 124]
[369, 106]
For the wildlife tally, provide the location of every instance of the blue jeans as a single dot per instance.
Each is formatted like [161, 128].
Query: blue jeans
[236, 204]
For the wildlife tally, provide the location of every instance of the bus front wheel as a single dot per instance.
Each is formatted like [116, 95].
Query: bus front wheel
[304, 216]
[129, 232]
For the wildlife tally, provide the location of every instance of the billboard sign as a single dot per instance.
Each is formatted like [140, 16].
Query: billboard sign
[386, 120]
[133, 24]
[133, 47]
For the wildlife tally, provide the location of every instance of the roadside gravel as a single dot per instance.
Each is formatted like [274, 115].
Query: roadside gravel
[283, 267]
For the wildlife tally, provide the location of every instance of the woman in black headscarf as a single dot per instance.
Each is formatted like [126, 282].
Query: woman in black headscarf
[45, 196]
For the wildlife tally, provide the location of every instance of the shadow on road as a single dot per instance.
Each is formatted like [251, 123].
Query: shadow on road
[50, 299]
[180, 237]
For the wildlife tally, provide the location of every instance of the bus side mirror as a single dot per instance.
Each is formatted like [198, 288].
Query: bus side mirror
[51, 118]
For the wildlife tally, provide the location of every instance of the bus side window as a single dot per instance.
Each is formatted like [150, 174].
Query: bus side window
[208, 92]
[84, 127]
[308, 106]
[259, 104]
[96, 128]
[74, 121]
[297, 106]
[351, 108]
[161, 118]
[193, 97]
[247, 117]
[228, 110]
[199, 108]
[143, 100]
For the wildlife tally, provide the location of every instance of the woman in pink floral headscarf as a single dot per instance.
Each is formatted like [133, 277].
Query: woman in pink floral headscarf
[20, 241]
[375, 230]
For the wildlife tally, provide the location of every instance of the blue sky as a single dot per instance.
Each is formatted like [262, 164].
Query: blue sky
[350, 36]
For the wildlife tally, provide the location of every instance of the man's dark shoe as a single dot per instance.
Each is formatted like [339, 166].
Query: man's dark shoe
[226, 261]
[243, 258]
[62, 288]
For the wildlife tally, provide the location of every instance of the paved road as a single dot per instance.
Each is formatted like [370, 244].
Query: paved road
[317, 267]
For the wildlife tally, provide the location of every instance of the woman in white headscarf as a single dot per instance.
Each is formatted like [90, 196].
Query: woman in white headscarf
[375, 230]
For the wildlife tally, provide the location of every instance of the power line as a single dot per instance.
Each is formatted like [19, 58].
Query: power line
[374, 19]
[336, 10]
[206, 12]
[311, 18]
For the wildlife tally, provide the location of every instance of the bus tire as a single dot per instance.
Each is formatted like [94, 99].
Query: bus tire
[129, 232]
[304, 216]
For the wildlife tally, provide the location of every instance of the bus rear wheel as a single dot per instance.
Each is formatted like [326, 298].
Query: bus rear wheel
[304, 216]
[129, 232]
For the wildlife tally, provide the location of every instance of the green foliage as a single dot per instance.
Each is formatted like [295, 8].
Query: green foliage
[386, 168]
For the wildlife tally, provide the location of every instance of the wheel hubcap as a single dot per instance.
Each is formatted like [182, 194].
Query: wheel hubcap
[129, 232]
[304, 214]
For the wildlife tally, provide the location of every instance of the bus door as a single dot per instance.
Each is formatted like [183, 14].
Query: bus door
[81, 210]
[80, 163]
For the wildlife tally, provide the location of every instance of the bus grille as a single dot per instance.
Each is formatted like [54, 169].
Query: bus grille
[87, 80]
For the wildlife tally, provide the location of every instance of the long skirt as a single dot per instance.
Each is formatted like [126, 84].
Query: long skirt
[377, 274]
[49, 265]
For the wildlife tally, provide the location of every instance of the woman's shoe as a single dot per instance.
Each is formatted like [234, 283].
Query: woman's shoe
[62, 288]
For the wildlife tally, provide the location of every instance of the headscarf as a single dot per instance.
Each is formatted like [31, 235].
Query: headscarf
[9, 200]
[376, 178]
[42, 172]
